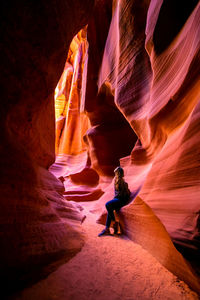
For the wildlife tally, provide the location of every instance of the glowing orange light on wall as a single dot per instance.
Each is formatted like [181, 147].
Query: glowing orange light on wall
[71, 122]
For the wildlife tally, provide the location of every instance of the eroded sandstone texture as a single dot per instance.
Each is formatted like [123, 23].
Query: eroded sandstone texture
[91, 134]
[129, 93]
[37, 225]
[156, 83]
[145, 60]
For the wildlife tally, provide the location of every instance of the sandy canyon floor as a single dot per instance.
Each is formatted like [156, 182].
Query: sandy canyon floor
[108, 267]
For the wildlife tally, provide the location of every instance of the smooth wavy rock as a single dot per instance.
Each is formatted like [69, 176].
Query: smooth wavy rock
[153, 74]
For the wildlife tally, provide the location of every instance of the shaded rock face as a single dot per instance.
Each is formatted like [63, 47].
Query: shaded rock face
[37, 225]
[91, 133]
[110, 136]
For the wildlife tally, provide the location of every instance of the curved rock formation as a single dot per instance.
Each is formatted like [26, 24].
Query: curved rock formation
[38, 227]
[132, 98]
[141, 225]
[161, 103]
[156, 87]
[72, 124]
[106, 140]
[110, 136]
[141, 87]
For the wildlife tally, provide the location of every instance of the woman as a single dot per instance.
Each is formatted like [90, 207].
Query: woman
[122, 195]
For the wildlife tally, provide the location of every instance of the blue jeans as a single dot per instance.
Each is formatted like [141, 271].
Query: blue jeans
[112, 205]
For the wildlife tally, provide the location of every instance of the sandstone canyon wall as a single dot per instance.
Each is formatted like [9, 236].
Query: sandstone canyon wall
[129, 94]
[37, 226]
[157, 88]
[142, 98]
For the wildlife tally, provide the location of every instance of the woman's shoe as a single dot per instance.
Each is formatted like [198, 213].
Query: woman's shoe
[105, 231]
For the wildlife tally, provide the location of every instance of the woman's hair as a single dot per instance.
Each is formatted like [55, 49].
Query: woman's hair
[120, 171]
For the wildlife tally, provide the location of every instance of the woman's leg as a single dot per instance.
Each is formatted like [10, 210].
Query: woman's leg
[108, 220]
[112, 205]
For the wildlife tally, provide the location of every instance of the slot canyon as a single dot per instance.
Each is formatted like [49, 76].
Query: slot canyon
[88, 86]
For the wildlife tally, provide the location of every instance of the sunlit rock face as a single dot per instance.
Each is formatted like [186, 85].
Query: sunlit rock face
[71, 122]
[37, 225]
[162, 106]
[86, 117]
[86, 124]
[153, 73]
[142, 100]
[72, 163]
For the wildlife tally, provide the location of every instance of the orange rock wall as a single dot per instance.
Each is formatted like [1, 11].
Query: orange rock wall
[156, 86]
[145, 88]
[71, 123]
[93, 128]
[142, 85]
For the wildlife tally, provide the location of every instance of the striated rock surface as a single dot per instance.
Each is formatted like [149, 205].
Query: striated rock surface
[86, 124]
[129, 94]
[142, 100]
[110, 136]
[155, 82]
[71, 123]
